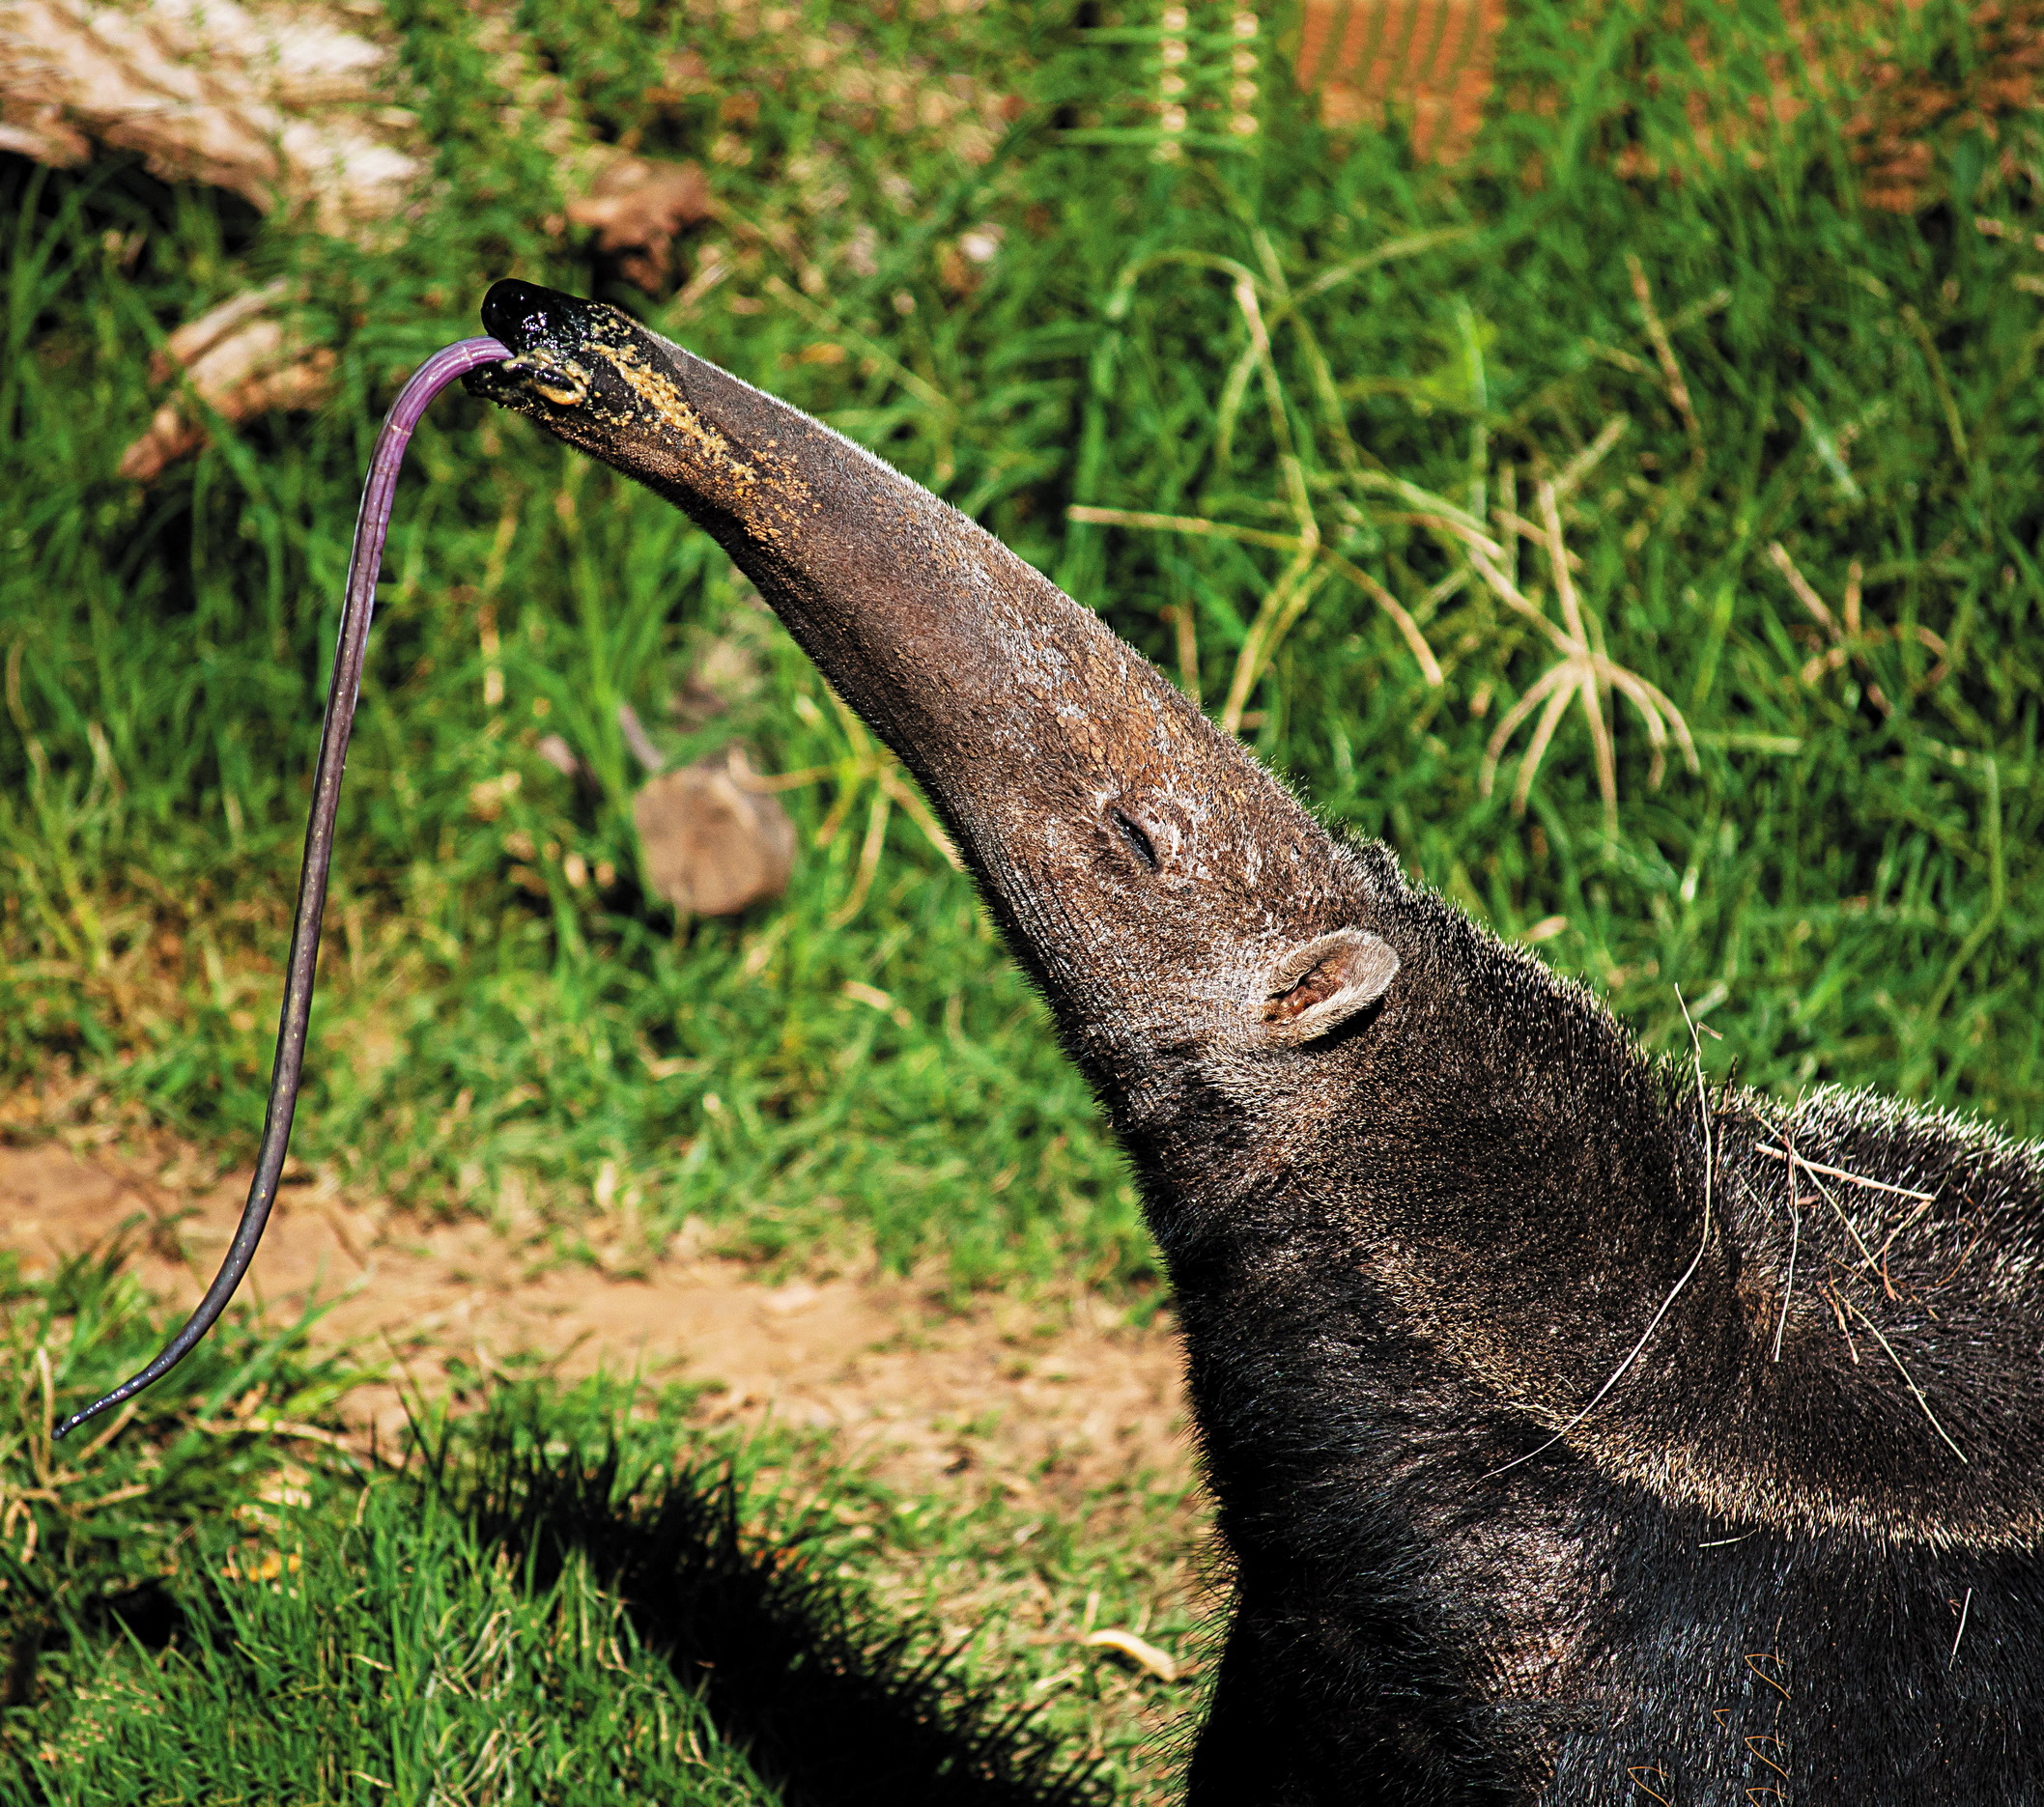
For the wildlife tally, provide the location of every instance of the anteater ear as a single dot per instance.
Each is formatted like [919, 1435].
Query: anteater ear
[1317, 986]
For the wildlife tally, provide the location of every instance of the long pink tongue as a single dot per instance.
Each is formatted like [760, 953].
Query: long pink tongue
[372, 526]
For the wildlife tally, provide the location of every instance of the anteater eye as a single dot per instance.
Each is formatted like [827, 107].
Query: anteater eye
[1139, 844]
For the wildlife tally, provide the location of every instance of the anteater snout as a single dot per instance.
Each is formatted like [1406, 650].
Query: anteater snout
[525, 316]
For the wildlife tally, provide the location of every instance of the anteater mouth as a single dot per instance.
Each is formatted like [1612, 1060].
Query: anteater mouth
[549, 336]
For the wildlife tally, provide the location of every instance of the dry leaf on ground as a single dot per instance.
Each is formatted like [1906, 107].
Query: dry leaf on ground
[280, 105]
[638, 205]
[1139, 1650]
[238, 360]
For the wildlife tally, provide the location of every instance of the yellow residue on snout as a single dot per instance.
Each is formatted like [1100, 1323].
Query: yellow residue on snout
[654, 408]
[552, 376]
[567, 390]
[658, 393]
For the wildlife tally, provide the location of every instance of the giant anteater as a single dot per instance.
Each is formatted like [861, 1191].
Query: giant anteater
[1577, 1436]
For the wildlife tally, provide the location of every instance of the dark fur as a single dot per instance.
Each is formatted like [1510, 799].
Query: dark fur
[1414, 1229]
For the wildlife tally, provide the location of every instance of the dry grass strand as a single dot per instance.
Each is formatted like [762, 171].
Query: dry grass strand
[1585, 673]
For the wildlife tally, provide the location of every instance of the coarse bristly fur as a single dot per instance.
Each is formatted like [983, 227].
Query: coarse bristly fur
[1421, 1201]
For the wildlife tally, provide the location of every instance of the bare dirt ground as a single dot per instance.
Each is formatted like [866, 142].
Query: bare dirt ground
[1063, 1397]
[1058, 1409]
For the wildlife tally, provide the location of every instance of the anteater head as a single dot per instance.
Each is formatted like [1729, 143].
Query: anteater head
[1186, 916]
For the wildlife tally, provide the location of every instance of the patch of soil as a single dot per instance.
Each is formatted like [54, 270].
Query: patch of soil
[1057, 1410]
[1048, 1400]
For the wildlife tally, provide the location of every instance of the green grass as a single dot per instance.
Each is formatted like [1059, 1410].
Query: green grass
[377, 1654]
[101, 1517]
[568, 1594]
[1842, 888]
